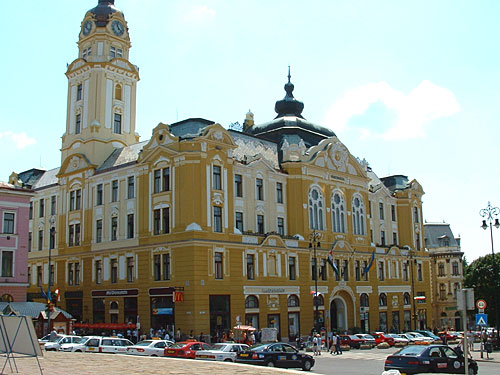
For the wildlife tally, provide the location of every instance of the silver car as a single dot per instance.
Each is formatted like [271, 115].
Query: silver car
[221, 352]
[62, 339]
[153, 348]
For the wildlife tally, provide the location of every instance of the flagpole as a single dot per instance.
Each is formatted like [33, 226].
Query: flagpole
[314, 238]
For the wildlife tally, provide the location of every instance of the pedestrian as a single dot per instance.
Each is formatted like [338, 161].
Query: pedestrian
[486, 347]
[252, 338]
[444, 338]
[178, 335]
[315, 345]
[201, 337]
[167, 336]
[470, 341]
[338, 347]
[333, 345]
[320, 343]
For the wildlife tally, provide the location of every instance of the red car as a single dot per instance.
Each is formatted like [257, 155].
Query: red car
[381, 337]
[186, 349]
[352, 340]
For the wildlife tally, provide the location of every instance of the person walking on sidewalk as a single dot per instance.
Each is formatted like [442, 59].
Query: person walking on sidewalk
[320, 343]
[338, 348]
[315, 345]
[333, 345]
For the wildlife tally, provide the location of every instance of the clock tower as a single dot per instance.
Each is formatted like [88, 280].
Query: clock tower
[102, 86]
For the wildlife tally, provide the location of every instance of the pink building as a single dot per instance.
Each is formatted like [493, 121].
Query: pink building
[14, 242]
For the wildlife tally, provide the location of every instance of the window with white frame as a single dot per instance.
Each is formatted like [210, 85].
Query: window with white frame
[130, 187]
[98, 231]
[239, 221]
[219, 269]
[251, 266]
[161, 180]
[358, 216]
[114, 270]
[98, 271]
[279, 192]
[114, 228]
[75, 199]
[281, 226]
[216, 177]
[114, 191]
[8, 222]
[316, 209]
[161, 266]
[260, 224]
[259, 186]
[130, 269]
[99, 195]
[7, 263]
[117, 123]
[217, 219]
[338, 213]
[292, 267]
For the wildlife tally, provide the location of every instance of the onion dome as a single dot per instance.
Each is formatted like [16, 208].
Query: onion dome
[289, 106]
[102, 12]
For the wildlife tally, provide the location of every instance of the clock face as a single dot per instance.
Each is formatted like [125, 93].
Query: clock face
[87, 28]
[117, 28]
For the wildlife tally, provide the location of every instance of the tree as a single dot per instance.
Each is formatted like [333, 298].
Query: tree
[483, 275]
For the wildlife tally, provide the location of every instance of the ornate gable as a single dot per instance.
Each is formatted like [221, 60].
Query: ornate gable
[216, 133]
[160, 139]
[75, 163]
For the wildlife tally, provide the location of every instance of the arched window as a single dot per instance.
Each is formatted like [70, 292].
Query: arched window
[406, 298]
[338, 213]
[383, 299]
[443, 314]
[316, 209]
[319, 300]
[113, 305]
[118, 92]
[364, 300]
[252, 302]
[293, 301]
[358, 215]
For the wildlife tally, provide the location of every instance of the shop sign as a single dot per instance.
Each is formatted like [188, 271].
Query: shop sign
[115, 293]
[163, 311]
[271, 290]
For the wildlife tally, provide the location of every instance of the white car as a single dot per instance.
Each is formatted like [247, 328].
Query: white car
[221, 352]
[153, 348]
[76, 346]
[63, 339]
[107, 345]
[398, 339]
[413, 339]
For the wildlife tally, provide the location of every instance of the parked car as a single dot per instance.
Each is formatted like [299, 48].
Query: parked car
[422, 340]
[276, 355]
[369, 339]
[185, 349]
[429, 358]
[221, 352]
[352, 340]
[62, 339]
[436, 339]
[100, 344]
[398, 339]
[76, 346]
[153, 348]
[383, 337]
[414, 339]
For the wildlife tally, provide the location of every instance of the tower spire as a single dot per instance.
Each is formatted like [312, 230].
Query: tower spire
[289, 106]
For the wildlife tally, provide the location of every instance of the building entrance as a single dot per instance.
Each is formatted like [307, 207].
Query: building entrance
[338, 315]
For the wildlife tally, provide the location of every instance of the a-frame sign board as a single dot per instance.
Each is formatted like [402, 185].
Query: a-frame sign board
[17, 336]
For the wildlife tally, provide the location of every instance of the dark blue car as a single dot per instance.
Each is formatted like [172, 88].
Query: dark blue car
[276, 355]
[416, 359]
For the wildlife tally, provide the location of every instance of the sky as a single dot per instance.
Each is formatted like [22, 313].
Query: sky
[410, 86]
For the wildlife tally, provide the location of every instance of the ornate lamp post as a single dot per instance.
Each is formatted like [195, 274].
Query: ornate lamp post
[314, 243]
[490, 214]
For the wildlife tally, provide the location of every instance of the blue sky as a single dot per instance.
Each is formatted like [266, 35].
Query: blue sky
[411, 86]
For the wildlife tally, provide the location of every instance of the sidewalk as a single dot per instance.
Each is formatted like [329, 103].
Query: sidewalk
[476, 355]
[60, 363]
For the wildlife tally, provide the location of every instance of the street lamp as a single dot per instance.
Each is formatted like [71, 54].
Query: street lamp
[490, 214]
[314, 243]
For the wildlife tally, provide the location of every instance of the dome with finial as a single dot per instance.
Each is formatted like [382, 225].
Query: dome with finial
[289, 106]
[103, 11]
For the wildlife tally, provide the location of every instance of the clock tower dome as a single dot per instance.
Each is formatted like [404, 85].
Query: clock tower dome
[102, 86]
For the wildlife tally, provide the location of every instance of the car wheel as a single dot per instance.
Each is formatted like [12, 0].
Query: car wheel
[307, 365]
[154, 355]
[78, 351]
[471, 371]
[228, 360]
[270, 364]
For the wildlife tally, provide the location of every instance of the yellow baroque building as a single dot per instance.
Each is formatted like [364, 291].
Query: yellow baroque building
[200, 228]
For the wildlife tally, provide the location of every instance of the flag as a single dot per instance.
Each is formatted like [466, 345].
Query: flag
[314, 293]
[44, 294]
[367, 269]
[332, 262]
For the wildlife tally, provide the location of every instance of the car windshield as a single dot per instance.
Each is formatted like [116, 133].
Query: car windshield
[219, 347]
[354, 337]
[369, 337]
[416, 334]
[144, 343]
[259, 348]
[81, 340]
[412, 350]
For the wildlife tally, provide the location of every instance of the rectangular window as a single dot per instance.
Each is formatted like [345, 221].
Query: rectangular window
[99, 195]
[78, 200]
[117, 124]
[114, 271]
[77, 234]
[217, 219]
[357, 271]
[119, 52]
[157, 180]
[98, 271]
[130, 269]
[52, 238]
[345, 270]
[7, 263]
[381, 210]
[250, 266]
[415, 214]
[417, 240]
[239, 221]
[114, 191]
[114, 228]
[77, 273]
[260, 224]
[216, 180]
[79, 90]
[31, 211]
[218, 265]
[130, 187]
[40, 239]
[71, 235]
[166, 179]
[394, 238]
[382, 237]
[42, 208]
[281, 226]
[165, 219]
[30, 241]
[53, 205]
[260, 189]
[130, 226]
[337, 275]
[70, 273]
[78, 124]
[156, 221]
[381, 271]
[405, 271]
[166, 266]
[419, 272]
[8, 222]
[323, 270]
[98, 231]
[455, 271]
[292, 268]
[157, 267]
[39, 275]
[279, 192]
[72, 195]
[393, 212]
[238, 185]
[314, 270]
[112, 52]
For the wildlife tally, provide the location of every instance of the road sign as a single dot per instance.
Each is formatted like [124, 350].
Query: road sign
[481, 304]
[482, 319]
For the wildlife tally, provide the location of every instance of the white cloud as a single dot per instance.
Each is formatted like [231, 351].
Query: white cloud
[199, 14]
[424, 104]
[20, 140]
